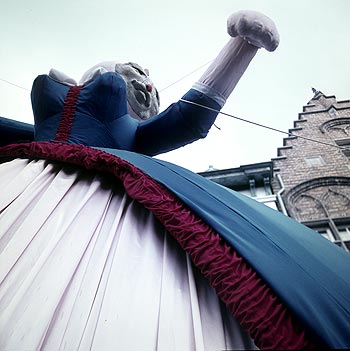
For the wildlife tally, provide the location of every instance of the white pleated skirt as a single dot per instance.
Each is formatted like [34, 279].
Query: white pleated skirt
[84, 267]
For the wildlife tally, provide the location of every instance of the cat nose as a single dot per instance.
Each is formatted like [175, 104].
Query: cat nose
[149, 88]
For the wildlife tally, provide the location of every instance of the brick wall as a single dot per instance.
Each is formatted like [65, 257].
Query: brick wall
[316, 176]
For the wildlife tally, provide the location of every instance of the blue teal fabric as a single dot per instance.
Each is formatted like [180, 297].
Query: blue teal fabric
[12, 131]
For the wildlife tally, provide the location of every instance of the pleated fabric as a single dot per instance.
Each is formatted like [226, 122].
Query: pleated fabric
[85, 267]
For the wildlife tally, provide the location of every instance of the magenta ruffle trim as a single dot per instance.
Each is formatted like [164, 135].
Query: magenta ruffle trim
[68, 113]
[250, 300]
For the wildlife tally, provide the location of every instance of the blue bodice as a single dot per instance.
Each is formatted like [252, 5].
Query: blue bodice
[101, 117]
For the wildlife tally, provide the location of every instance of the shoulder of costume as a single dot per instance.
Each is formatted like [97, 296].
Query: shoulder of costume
[12, 131]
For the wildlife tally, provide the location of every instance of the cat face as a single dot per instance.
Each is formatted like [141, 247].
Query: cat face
[143, 98]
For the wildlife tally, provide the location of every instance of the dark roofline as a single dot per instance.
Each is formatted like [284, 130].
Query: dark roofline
[239, 177]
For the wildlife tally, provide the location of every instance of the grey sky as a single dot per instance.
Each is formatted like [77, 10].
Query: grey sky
[173, 38]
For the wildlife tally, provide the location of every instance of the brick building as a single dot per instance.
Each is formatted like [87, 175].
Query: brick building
[308, 181]
[314, 178]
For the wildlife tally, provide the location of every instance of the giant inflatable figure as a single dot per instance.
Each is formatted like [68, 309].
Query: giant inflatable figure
[103, 247]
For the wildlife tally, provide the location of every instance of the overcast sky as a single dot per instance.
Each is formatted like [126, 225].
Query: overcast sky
[172, 39]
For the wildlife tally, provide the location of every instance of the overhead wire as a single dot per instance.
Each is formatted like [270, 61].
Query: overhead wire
[16, 85]
[185, 76]
[264, 126]
[223, 113]
[245, 120]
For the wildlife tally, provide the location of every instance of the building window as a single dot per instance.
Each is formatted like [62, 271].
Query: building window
[345, 144]
[344, 232]
[326, 232]
[337, 231]
[314, 161]
[332, 112]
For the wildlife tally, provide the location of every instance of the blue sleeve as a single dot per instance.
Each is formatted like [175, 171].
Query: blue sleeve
[178, 125]
[15, 132]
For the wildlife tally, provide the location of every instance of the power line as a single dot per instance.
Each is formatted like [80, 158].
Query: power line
[185, 76]
[222, 113]
[16, 85]
[245, 120]
[264, 126]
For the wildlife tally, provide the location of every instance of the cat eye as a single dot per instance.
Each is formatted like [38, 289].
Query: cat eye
[139, 71]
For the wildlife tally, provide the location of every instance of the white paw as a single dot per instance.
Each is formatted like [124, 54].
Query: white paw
[254, 27]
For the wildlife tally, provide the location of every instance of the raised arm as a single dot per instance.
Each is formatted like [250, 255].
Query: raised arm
[183, 123]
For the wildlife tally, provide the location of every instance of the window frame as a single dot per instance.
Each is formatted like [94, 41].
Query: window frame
[331, 229]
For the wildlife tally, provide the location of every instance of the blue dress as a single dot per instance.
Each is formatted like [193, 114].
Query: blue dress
[301, 271]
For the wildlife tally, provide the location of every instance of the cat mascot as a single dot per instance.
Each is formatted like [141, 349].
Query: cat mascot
[103, 247]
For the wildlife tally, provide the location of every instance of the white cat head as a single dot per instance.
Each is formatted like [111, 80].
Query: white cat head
[143, 98]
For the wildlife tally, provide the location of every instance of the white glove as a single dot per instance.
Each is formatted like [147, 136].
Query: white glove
[249, 30]
[254, 27]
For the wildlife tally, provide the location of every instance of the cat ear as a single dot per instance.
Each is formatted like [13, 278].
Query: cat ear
[92, 75]
[61, 77]
[108, 66]
[146, 71]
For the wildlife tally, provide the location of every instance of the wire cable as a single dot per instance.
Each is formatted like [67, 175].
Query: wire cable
[16, 85]
[264, 126]
[185, 76]
[245, 120]
[223, 113]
